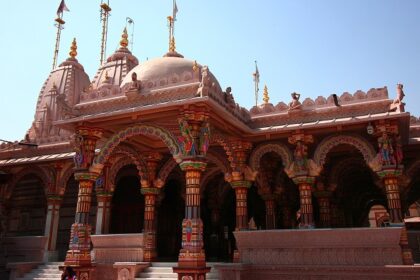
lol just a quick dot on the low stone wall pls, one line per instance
(111, 248)
(362, 253)
(24, 248)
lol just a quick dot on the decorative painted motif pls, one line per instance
(386, 151)
(78, 149)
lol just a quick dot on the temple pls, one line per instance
(152, 162)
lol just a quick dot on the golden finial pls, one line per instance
(195, 66)
(172, 45)
(73, 49)
(124, 40)
(266, 98)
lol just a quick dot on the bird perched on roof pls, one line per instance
(336, 100)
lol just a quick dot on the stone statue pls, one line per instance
(229, 98)
(135, 84)
(295, 104)
(205, 84)
(400, 94)
(397, 105)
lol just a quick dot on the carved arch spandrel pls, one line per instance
(360, 143)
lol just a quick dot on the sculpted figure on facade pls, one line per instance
(386, 151)
(205, 84)
(186, 140)
(78, 149)
(295, 103)
(135, 84)
(397, 104)
(204, 138)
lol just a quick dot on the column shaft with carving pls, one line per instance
(78, 254)
(150, 189)
(303, 172)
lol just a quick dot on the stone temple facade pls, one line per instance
(154, 161)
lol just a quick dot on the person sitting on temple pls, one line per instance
(295, 104)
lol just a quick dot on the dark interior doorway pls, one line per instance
(127, 213)
(170, 216)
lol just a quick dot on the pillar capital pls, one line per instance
(390, 172)
(150, 191)
(241, 184)
(303, 179)
(193, 164)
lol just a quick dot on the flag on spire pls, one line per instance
(62, 8)
(174, 12)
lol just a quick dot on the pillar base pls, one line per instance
(191, 259)
(191, 273)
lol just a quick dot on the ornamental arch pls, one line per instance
(361, 144)
(140, 129)
(260, 151)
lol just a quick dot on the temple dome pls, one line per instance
(167, 71)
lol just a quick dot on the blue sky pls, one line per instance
(312, 47)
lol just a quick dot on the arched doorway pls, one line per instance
(354, 187)
(67, 214)
(127, 208)
(170, 213)
(27, 207)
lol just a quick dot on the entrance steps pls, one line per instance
(163, 271)
(47, 271)
(156, 271)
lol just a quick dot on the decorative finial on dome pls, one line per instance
(172, 45)
(73, 49)
(195, 66)
(124, 38)
(266, 98)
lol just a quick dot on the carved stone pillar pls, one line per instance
(387, 165)
(194, 143)
(270, 211)
(305, 184)
(303, 172)
(192, 258)
(78, 254)
(103, 212)
(51, 226)
(390, 178)
(324, 199)
(150, 188)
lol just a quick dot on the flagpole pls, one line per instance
(105, 9)
(256, 75)
(59, 24)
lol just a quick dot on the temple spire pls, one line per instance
(60, 26)
(73, 49)
(256, 75)
(105, 9)
(266, 98)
